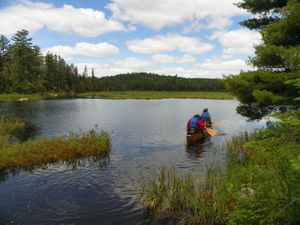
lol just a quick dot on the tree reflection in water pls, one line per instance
(254, 111)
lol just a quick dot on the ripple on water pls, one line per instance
(145, 136)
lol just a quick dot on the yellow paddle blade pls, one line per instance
(211, 132)
(217, 123)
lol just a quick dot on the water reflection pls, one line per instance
(256, 111)
(146, 134)
(70, 164)
(197, 149)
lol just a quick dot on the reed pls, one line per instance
(259, 183)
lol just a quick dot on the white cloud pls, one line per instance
(220, 66)
(83, 49)
(67, 19)
(132, 62)
(168, 43)
(185, 59)
(239, 42)
(157, 14)
(167, 59)
(163, 58)
(115, 67)
(214, 67)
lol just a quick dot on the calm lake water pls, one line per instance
(146, 134)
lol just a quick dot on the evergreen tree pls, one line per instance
(24, 64)
(94, 81)
(4, 48)
(277, 58)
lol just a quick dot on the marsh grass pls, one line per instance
(46, 150)
(119, 95)
(182, 197)
(34, 97)
(259, 183)
(157, 95)
(11, 126)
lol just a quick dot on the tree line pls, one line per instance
(23, 69)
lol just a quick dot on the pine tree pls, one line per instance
(277, 58)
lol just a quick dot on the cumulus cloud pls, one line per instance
(214, 67)
(83, 49)
(239, 42)
(167, 59)
(157, 14)
(34, 16)
(168, 43)
(133, 62)
(113, 67)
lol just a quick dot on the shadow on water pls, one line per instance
(197, 149)
(96, 161)
(31, 131)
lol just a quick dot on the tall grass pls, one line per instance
(258, 185)
(46, 150)
(11, 126)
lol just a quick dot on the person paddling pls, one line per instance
(195, 124)
(205, 116)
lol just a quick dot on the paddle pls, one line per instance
(211, 132)
(217, 123)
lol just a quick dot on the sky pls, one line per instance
(188, 38)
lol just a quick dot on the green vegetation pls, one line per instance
(258, 185)
(119, 95)
(30, 97)
(277, 80)
(154, 82)
(44, 150)
(9, 127)
(156, 95)
(24, 70)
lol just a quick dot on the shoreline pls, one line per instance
(118, 95)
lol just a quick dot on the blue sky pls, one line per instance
(194, 38)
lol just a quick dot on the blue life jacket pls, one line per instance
(204, 116)
(194, 122)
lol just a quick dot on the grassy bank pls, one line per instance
(157, 95)
(44, 150)
(259, 184)
(117, 95)
(33, 97)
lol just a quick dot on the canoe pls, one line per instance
(192, 138)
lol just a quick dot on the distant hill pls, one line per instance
(155, 82)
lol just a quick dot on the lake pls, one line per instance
(146, 134)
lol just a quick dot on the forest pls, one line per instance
(23, 69)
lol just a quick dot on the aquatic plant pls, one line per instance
(44, 150)
(258, 185)
(11, 126)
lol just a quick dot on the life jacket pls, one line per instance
(204, 116)
(194, 122)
